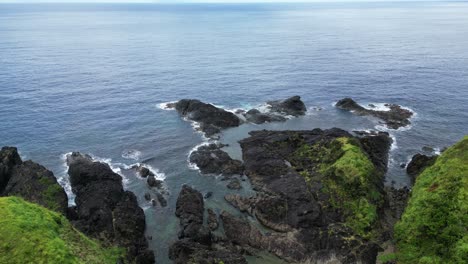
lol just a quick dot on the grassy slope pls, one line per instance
(434, 226)
(30, 233)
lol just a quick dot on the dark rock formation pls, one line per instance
(144, 171)
(395, 118)
(153, 182)
(234, 184)
(395, 204)
(306, 194)
(211, 159)
(196, 242)
(257, 117)
(212, 220)
(417, 164)
(291, 106)
(162, 201)
(105, 211)
(147, 196)
(211, 118)
(30, 181)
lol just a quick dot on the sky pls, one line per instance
(178, 1)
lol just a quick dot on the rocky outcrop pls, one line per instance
(104, 210)
(417, 164)
(210, 159)
(211, 118)
(212, 221)
(257, 117)
(196, 243)
(394, 118)
(319, 191)
(30, 181)
(291, 106)
(234, 184)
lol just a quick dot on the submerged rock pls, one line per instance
(257, 117)
(210, 159)
(394, 118)
(211, 118)
(30, 181)
(291, 106)
(153, 182)
(104, 210)
(234, 184)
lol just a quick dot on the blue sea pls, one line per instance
(91, 78)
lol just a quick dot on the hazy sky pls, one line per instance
(180, 1)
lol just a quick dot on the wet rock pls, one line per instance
(395, 118)
(196, 243)
(147, 196)
(208, 195)
(154, 203)
(234, 184)
(417, 164)
(210, 159)
(162, 201)
(291, 106)
(144, 172)
(105, 211)
(212, 220)
(153, 182)
(211, 118)
(395, 204)
(257, 117)
(428, 149)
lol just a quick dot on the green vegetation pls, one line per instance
(349, 179)
(386, 258)
(51, 193)
(434, 226)
(30, 233)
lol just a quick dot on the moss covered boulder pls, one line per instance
(319, 191)
(30, 233)
(434, 226)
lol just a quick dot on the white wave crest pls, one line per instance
(194, 166)
(131, 154)
(64, 180)
(165, 106)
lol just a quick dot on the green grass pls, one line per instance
(51, 193)
(349, 179)
(434, 226)
(30, 233)
(386, 257)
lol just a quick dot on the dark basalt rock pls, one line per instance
(147, 196)
(395, 118)
(291, 201)
(211, 118)
(210, 159)
(30, 181)
(144, 171)
(9, 158)
(417, 164)
(212, 220)
(291, 106)
(153, 182)
(196, 242)
(257, 117)
(234, 184)
(104, 210)
(162, 201)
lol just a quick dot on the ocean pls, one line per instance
(92, 77)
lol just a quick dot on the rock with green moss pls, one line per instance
(319, 190)
(31, 181)
(30, 233)
(434, 226)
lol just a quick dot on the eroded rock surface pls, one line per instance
(30, 181)
(210, 159)
(394, 118)
(104, 210)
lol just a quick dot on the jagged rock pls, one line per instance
(291, 106)
(395, 204)
(257, 117)
(234, 184)
(144, 171)
(162, 201)
(9, 158)
(417, 164)
(208, 195)
(211, 118)
(290, 171)
(105, 211)
(212, 220)
(196, 243)
(395, 118)
(30, 181)
(211, 159)
(147, 196)
(153, 182)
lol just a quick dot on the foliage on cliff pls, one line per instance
(30, 233)
(434, 226)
